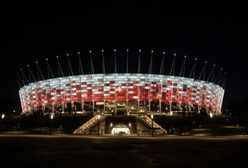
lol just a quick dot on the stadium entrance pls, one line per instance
(120, 129)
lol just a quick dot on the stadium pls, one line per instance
(123, 102)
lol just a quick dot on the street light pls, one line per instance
(212, 122)
(2, 118)
(51, 117)
(152, 124)
(51, 123)
(98, 124)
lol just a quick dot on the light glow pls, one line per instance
(120, 130)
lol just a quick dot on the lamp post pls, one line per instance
(98, 124)
(51, 123)
(212, 122)
(2, 118)
(152, 125)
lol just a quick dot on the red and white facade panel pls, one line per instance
(121, 88)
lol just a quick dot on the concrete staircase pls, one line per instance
(148, 121)
(89, 124)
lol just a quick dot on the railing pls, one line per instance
(90, 123)
(155, 125)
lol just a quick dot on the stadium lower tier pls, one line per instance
(107, 92)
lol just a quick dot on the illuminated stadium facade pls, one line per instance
(123, 93)
(100, 90)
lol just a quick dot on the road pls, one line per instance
(90, 151)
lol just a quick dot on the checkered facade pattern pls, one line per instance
(121, 88)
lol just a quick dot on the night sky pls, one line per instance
(35, 31)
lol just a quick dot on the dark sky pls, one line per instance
(34, 31)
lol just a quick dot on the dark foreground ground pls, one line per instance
(72, 151)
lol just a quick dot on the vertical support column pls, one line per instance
(127, 82)
(53, 109)
(207, 109)
(150, 72)
(104, 105)
(139, 94)
(82, 105)
(104, 100)
(55, 100)
(171, 112)
(152, 126)
(36, 94)
(82, 98)
(116, 95)
(72, 104)
(62, 98)
(70, 73)
(92, 95)
(92, 71)
(81, 71)
(93, 105)
(98, 124)
(103, 71)
(189, 107)
(161, 93)
(73, 107)
(63, 108)
(139, 66)
(115, 83)
(180, 103)
(51, 92)
(170, 102)
(160, 106)
(149, 101)
(43, 109)
(104, 108)
(127, 94)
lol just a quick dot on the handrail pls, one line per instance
(155, 125)
(87, 125)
